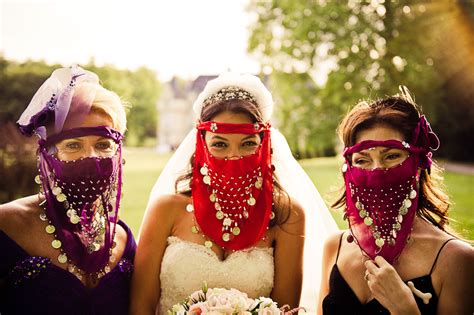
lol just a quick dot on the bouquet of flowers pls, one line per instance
(225, 301)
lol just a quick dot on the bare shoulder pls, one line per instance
(292, 210)
(18, 213)
(331, 244)
(457, 253)
(163, 213)
(170, 205)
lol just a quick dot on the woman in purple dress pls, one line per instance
(64, 251)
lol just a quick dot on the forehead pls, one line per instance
(95, 119)
(380, 133)
(232, 118)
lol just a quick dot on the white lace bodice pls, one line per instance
(186, 265)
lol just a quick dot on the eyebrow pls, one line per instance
(222, 138)
(219, 138)
(80, 139)
(364, 153)
(75, 139)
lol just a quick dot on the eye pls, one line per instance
(219, 144)
(360, 161)
(393, 156)
(250, 143)
(73, 145)
(106, 145)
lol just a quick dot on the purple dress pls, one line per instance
(33, 285)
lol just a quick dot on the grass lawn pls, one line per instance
(144, 165)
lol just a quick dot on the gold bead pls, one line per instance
(61, 197)
(56, 190)
(379, 242)
(368, 221)
(236, 230)
(207, 180)
(226, 237)
(190, 208)
(219, 215)
(208, 244)
(38, 179)
(75, 219)
(62, 258)
(56, 244)
(43, 217)
(407, 203)
(50, 229)
(251, 201)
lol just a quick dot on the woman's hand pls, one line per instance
(388, 288)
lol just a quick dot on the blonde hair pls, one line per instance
(110, 104)
(104, 102)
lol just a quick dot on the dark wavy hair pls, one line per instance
(281, 199)
(400, 113)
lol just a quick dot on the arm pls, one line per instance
(329, 258)
(289, 244)
(154, 231)
(456, 269)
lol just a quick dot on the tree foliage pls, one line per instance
(366, 49)
(138, 89)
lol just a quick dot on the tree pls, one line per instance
(140, 90)
(367, 49)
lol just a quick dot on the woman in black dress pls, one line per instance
(397, 257)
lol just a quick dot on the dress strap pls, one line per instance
(439, 252)
(339, 248)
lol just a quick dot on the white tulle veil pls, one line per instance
(294, 180)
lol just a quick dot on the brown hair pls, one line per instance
(281, 198)
(401, 113)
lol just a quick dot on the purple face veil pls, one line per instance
(82, 200)
(82, 197)
(381, 204)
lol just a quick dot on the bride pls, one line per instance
(230, 208)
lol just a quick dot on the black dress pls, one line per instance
(341, 300)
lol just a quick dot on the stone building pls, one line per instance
(176, 116)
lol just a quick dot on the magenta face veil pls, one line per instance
(381, 204)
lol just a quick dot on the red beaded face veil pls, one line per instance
(232, 199)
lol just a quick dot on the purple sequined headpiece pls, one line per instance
(51, 104)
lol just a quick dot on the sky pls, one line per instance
(186, 38)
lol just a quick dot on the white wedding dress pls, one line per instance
(186, 265)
